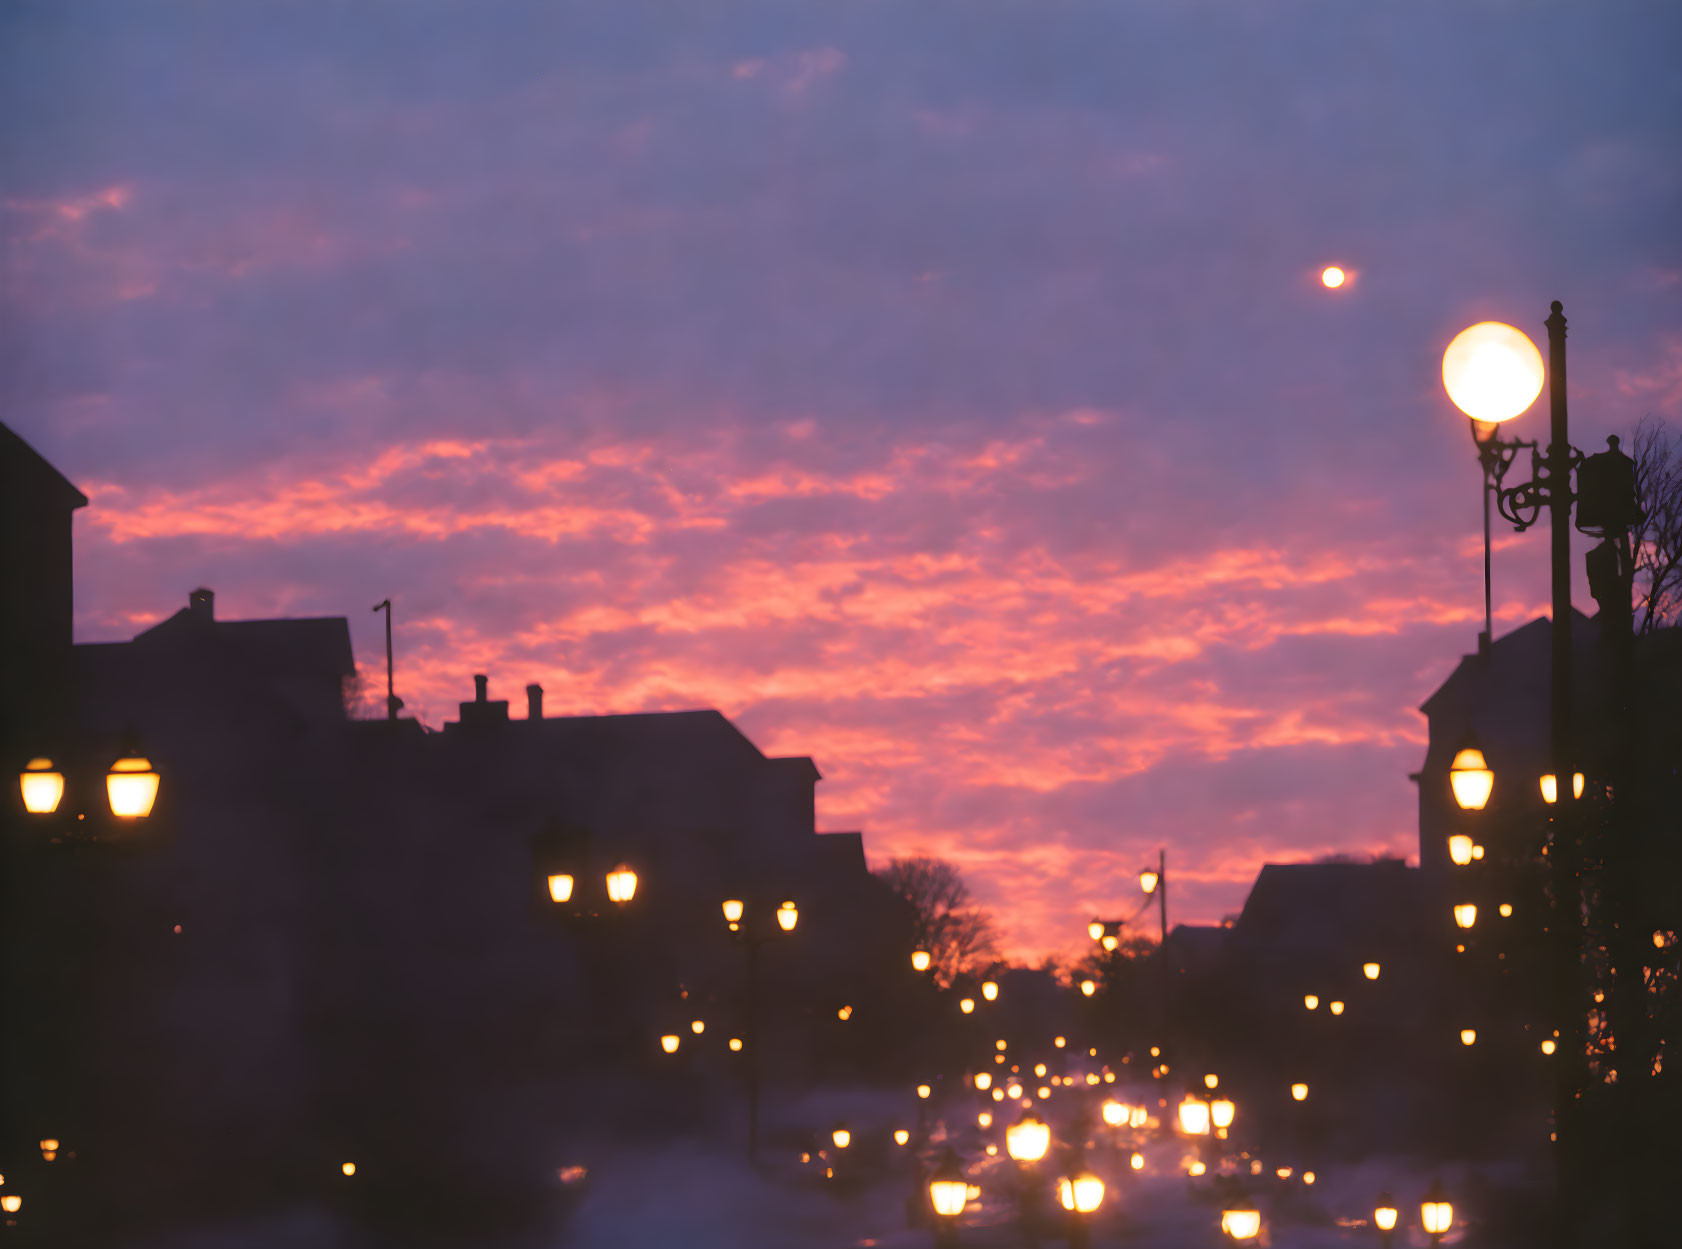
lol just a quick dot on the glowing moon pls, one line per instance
(1492, 371)
(1332, 277)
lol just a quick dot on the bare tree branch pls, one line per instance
(1658, 553)
(956, 934)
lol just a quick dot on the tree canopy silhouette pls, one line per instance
(1658, 552)
(956, 933)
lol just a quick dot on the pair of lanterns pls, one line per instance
(788, 915)
(131, 787)
(621, 885)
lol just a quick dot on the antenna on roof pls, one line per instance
(392, 703)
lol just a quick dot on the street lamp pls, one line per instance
(948, 1193)
(841, 1136)
(1194, 1117)
(1221, 1111)
(1460, 849)
(560, 887)
(967, 1005)
(1241, 1223)
(1311, 1001)
(1471, 779)
(1436, 1213)
(1550, 787)
(621, 884)
(1081, 1194)
(1115, 1113)
(788, 915)
(1027, 1139)
(42, 785)
(1466, 914)
(732, 912)
(989, 990)
(735, 915)
(1384, 1217)
(1299, 1092)
(669, 1042)
(1370, 970)
(1088, 988)
(920, 960)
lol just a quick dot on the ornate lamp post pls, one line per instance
(736, 917)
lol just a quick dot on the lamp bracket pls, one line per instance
(1522, 503)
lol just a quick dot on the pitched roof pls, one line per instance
(315, 644)
(1319, 906)
(22, 466)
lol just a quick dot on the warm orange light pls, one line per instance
(1241, 1224)
(923, 1091)
(1147, 880)
(560, 887)
(49, 1145)
(901, 1136)
(1211, 1081)
(1283, 1173)
(11, 1203)
(1137, 1162)
(1027, 1139)
(1550, 787)
(1092, 1077)
(1370, 970)
(1088, 988)
(948, 1193)
(967, 1005)
(920, 960)
(1548, 1046)
(1492, 371)
(1083, 1194)
(984, 1119)
(1194, 1117)
(131, 787)
(989, 990)
(788, 915)
(669, 1042)
(1156, 1051)
(1299, 1092)
(983, 1080)
(1468, 1036)
(1095, 930)
(1336, 1008)
(1039, 1069)
(1466, 914)
(42, 787)
(998, 1095)
(841, 1136)
(621, 884)
(735, 1044)
(999, 1044)
(1221, 1111)
(1436, 1217)
(1043, 1093)
(348, 1168)
(1196, 1168)
(733, 910)
(846, 1012)
(1384, 1214)
(697, 1026)
(1115, 1114)
(1506, 909)
(1013, 1090)
(1331, 277)
(1470, 779)
(1310, 1000)
(1110, 942)
(1059, 1042)
(1137, 1117)
(1460, 849)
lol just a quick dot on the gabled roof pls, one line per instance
(23, 470)
(1329, 906)
(316, 644)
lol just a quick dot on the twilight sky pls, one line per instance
(941, 390)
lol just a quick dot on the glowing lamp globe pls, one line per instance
(1471, 779)
(1436, 1214)
(669, 1042)
(1196, 1168)
(923, 1091)
(948, 1189)
(621, 884)
(901, 1136)
(984, 1119)
(1147, 880)
(1027, 1139)
(989, 990)
(1137, 1162)
(1115, 1114)
(1211, 1081)
(1336, 1008)
(1110, 941)
(1088, 988)
(1059, 1042)
(967, 1005)
(131, 787)
(844, 1013)
(841, 1136)
(1492, 371)
(1039, 1069)
(1241, 1224)
(1506, 909)
(735, 1044)
(1013, 1091)
(347, 1168)
(1468, 1036)
(560, 887)
(733, 911)
(1384, 1214)
(1466, 914)
(983, 1080)
(1299, 1092)
(1332, 277)
(1221, 1111)
(920, 960)
(1548, 1046)
(697, 1026)
(1550, 787)
(11, 1203)
(42, 786)
(1194, 1117)
(1311, 1001)
(1095, 929)
(788, 915)
(1460, 849)
(1083, 1194)
(1370, 970)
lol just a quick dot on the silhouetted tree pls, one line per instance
(1658, 554)
(956, 934)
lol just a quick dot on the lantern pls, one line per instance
(1299, 1092)
(1241, 1224)
(1095, 930)
(1470, 778)
(1550, 787)
(920, 960)
(735, 1044)
(989, 990)
(923, 1091)
(1466, 914)
(1110, 941)
(1027, 1139)
(901, 1136)
(621, 884)
(1147, 880)
(1194, 1117)
(948, 1190)
(1370, 970)
(669, 1042)
(1310, 1000)
(967, 1005)
(841, 1136)
(131, 787)
(788, 915)
(347, 1168)
(697, 1026)
(1384, 1214)
(560, 887)
(1436, 1213)
(1088, 988)
(1468, 1036)
(1336, 1008)
(1211, 1081)
(733, 911)
(1221, 1111)
(1460, 849)
(1083, 1194)
(1115, 1114)
(42, 787)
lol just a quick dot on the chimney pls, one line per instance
(534, 701)
(481, 683)
(202, 604)
(482, 710)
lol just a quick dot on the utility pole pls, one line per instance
(392, 703)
